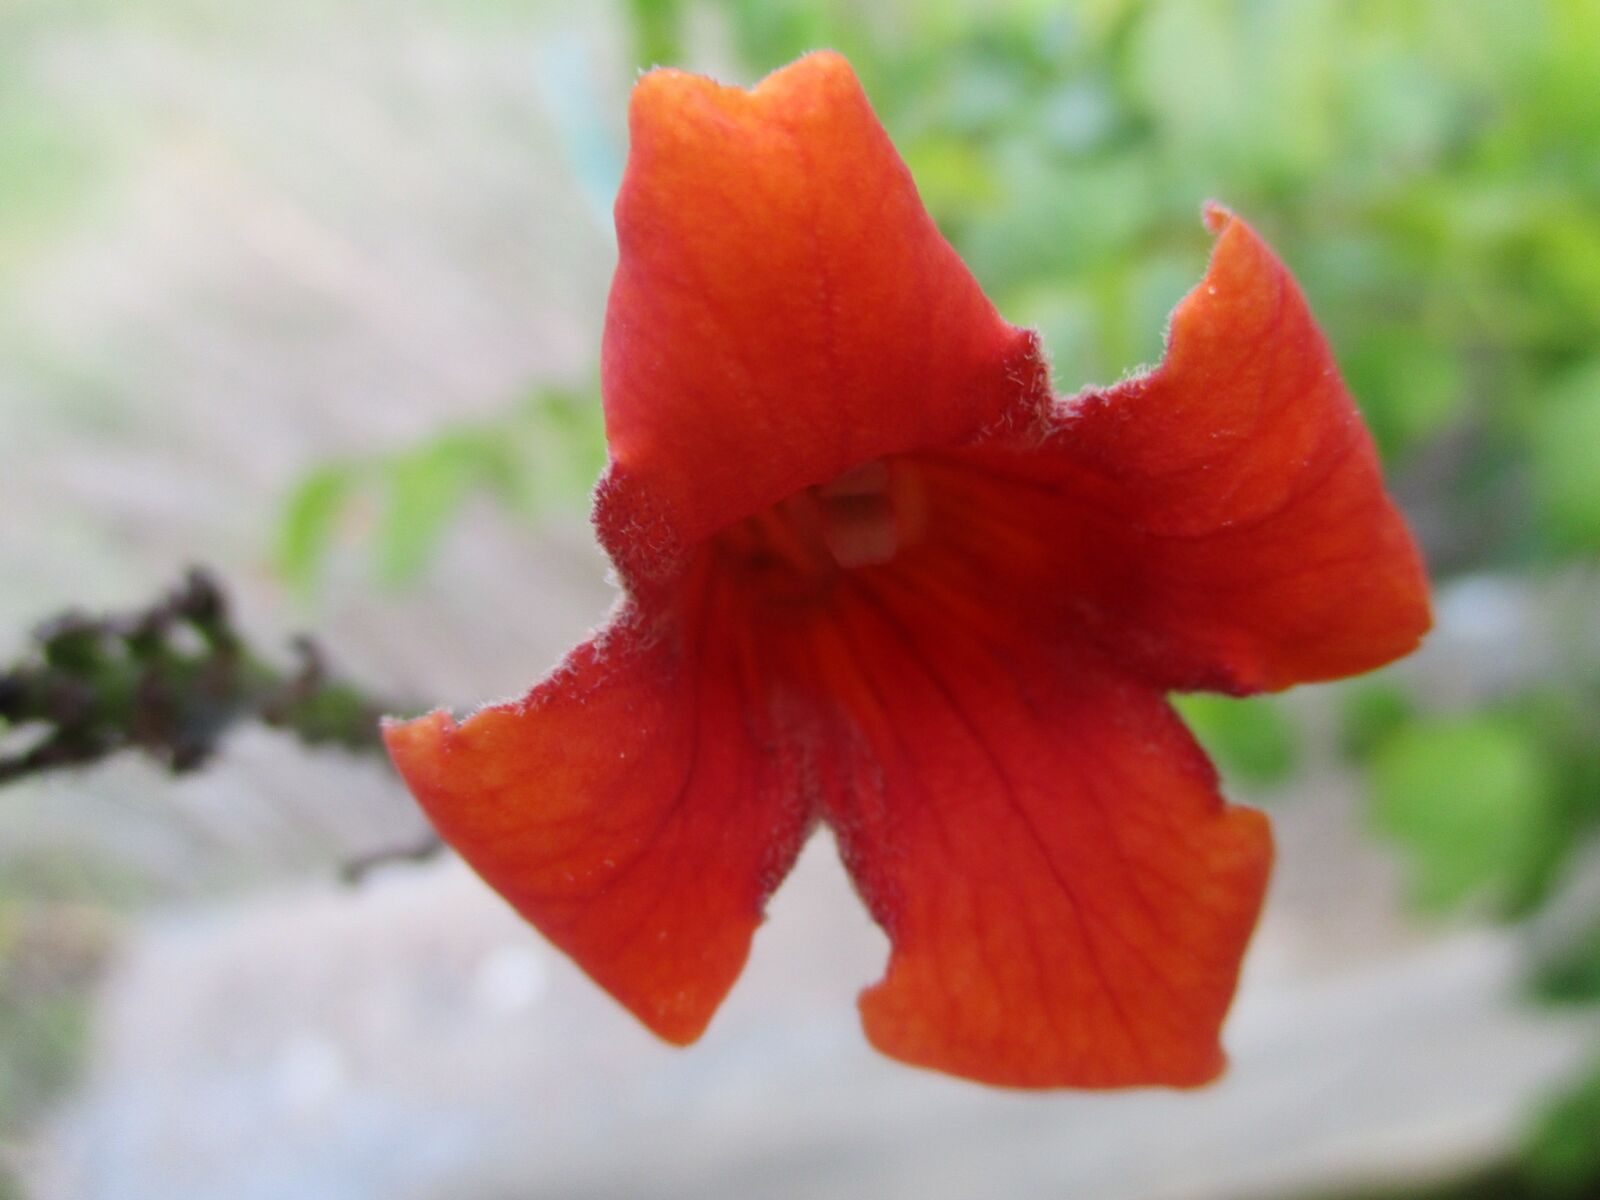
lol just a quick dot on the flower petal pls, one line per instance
(1270, 553)
(628, 808)
(1221, 521)
(1067, 896)
(783, 309)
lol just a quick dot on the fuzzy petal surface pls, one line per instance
(634, 807)
(1220, 522)
(1067, 897)
(783, 310)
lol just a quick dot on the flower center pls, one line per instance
(795, 549)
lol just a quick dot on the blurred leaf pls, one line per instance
(540, 457)
(1369, 715)
(1468, 800)
(954, 178)
(772, 32)
(1409, 387)
(1563, 1156)
(1573, 975)
(1567, 716)
(1060, 225)
(565, 439)
(1566, 460)
(1188, 71)
(423, 490)
(1079, 117)
(45, 170)
(1251, 740)
(306, 529)
(656, 27)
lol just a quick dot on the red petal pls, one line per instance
(1220, 522)
(1067, 896)
(627, 809)
(783, 309)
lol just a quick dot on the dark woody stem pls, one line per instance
(169, 681)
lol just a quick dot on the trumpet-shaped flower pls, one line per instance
(876, 575)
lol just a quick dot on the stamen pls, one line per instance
(858, 517)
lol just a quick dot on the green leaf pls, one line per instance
(1409, 387)
(423, 491)
(1572, 976)
(1565, 451)
(1369, 715)
(954, 176)
(566, 446)
(1251, 740)
(1469, 802)
(543, 455)
(46, 169)
(1563, 1155)
(305, 531)
(656, 26)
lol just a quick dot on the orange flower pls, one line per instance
(876, 575)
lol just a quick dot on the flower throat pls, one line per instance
(863, 518)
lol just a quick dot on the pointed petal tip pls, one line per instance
(438, 718)
(1217, 216)
(661, 87)
(822, 63)
(678, 1030)
(406, 736)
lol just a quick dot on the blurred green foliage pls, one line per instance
(1490, 806)
(543, 455)
(1253, 741)
(1572, 975)
(1471, 799)
(1372, 710)
(1564, 1150)
(1565, 453)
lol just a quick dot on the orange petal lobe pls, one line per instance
(1067, 897)
(624, 808)
(783, 310)
(1247, 540)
